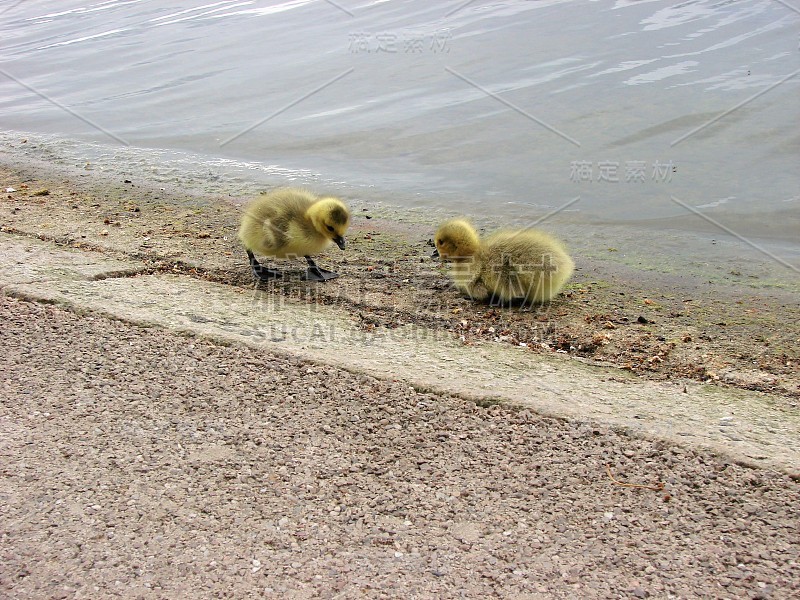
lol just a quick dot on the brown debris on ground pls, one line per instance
(654, 325)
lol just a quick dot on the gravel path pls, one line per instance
(141, 464)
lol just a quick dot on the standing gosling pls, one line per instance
(287, 223)
(507, 266)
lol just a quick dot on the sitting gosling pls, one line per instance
(287, 223)
(507, 266)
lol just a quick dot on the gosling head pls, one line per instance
(456, 240)
(330, 217)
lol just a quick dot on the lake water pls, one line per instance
(645, 115)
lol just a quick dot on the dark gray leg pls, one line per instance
(314, 273)
(260, 271)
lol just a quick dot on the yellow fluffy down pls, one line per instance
(289, 222)
(507, 266)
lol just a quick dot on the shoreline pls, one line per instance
(685, 243)
(660, 325)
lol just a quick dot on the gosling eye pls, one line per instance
(330, 228)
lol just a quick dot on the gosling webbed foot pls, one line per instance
(314, 273)
(261, 272)
(317, 274)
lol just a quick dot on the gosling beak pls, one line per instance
(339, 241)
(435, 254)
